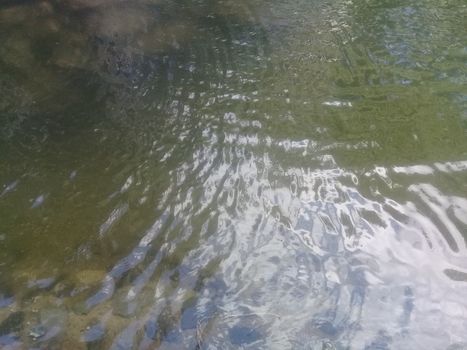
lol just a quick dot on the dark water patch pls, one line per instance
(12, 325)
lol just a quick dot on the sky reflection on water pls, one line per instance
(206, 175)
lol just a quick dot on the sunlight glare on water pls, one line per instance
(233, 174)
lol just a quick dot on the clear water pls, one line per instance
(207, 174)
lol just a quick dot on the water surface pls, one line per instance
(233, 174)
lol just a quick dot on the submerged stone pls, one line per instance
(37, 331)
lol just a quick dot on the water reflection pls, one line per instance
(222, 175)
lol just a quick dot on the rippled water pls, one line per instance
(210, 174)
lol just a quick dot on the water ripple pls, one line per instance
(231, 174)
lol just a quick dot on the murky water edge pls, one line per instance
(209, 175)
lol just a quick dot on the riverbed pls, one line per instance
(179, 174)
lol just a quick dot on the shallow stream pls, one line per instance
(206, 174)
